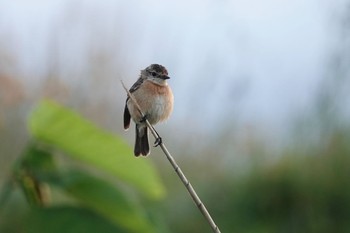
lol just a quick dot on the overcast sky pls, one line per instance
(259, 62)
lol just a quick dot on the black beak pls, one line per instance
(165, 77)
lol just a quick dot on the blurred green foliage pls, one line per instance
(94, 204)
(81, 140)
(103, 188)
(305, 191)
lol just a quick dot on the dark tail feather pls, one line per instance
(141, 141)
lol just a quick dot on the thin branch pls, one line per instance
(177, 169)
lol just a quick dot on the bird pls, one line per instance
(156, 100)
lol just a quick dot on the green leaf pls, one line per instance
(37, 168)
(80, 139)
(106, 200)
(35, 165)
(37, 160)
(67, 220)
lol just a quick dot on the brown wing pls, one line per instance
(136, 85)
(127, 115)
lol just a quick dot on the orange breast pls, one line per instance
(156, 102)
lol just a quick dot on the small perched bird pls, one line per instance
(155, 98)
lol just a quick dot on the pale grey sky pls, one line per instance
(259, 62)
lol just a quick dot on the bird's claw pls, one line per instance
(158, 141)
(143, 119)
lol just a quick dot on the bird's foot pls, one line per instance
(158, 141)
(143, 119)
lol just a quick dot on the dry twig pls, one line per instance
(177, 169)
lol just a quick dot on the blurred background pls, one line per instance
(261, 118)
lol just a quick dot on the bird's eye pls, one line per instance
(153, 74)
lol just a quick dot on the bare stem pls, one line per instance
(177, 169)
